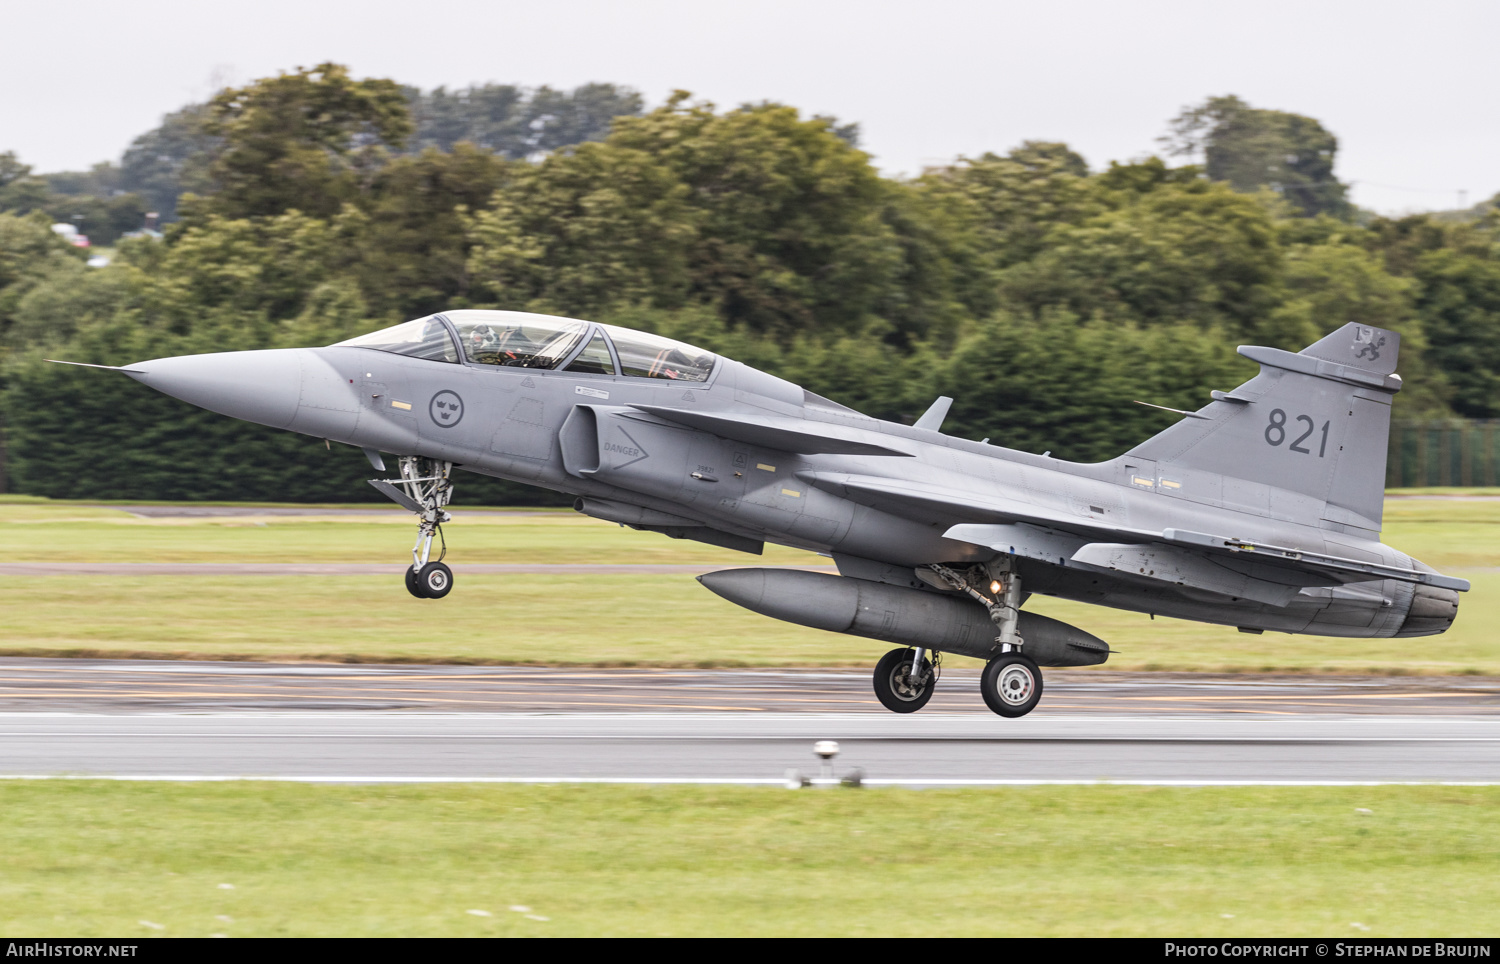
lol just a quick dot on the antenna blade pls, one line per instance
(1177, 411)
(933, 418)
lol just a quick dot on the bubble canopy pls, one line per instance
(517, 339)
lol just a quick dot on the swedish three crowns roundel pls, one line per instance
(446, 409)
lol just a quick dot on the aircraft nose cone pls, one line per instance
(257, 386)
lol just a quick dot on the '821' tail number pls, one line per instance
(1276, 433)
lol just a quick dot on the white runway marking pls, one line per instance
(738, 748)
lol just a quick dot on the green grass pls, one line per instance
(94, 858)
(1446, 534)
(599, 619)
(609, 620)
(1443, 533)
(53, 533)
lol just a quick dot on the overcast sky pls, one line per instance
(1410, 89)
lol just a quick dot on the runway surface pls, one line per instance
(395, 723)
(155, 686)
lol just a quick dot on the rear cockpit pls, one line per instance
(517, 339)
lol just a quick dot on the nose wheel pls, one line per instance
(424, 488)
(1011, 685)
(432, 581)
(904, 680)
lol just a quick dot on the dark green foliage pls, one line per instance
(102, 219)
(95, 435)
(1046, 299)
(84, 436)
(1250, 149)
(1168, 248)
(995, 212)
(516, 123)
(175, 158)
(64, 299)
(407, 234)
(305, 141)
(101, 180)
(20, 191)
(773, 220)
(172, 160)
(1460, 306)
(1055, 385)
(30, 255)
(864, 370)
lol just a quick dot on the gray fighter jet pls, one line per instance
(1261, 510)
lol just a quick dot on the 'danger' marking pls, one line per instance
(630, 451)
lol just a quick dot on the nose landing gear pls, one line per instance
(432, 581)
(425, 488)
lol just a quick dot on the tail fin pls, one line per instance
(1307, 435)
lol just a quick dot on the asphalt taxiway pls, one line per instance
(182, 720)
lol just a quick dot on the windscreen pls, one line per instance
(423, 338)
(652, 356)
(516, 339)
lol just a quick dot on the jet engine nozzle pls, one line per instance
(1432, 611)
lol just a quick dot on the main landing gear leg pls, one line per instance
(1011, 683)
(425, 488)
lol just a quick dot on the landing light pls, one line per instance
(994, 586)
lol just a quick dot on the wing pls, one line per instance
(1217, 564)
(1283, 557)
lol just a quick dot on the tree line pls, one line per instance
(1043, 295)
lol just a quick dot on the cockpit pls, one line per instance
(517, 339)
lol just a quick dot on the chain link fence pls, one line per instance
(1448, 453)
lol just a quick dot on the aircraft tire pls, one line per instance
(892, 682)
(434, 580)
(411, 582)
(1011, 685)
